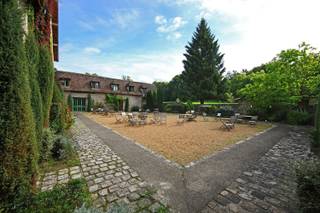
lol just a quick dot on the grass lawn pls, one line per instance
(182, 143)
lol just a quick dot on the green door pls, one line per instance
(79, 104)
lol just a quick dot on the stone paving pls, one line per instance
(269, 185)
(62, 176)
(109, 178)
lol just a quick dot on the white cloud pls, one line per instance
(91, 50)
(141, 67)
(125, 18)
(262, 27)
(170, 27)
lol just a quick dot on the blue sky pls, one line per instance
(146, 39)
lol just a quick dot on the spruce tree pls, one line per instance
(18, 148)
(203, 66)
(90, 103)
(126, 106)
(46, 82)
(32, 53)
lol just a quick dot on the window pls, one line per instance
(64, 82)
(115, 87)
(130, 88)
(95, 84)
(143, 90)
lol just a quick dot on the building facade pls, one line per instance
(79, 86)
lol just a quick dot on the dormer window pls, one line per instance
(64, 82)
(95, 84)
(130, 88)
(115, 87)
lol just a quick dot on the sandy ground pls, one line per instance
(181, 143)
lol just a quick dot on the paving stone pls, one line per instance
(93, 188)
(103, 192)
(133, 196)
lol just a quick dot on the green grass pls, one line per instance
(62, 198)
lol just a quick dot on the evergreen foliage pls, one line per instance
(46, 81)
(126, 107)
(70, 103)
(18, 148)
(203, 66)
(316, 142)
(149, 101)
(32, 54)
(58, 111)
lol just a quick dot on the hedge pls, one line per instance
(18, 148)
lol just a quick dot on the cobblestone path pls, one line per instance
(269, 185)
(109, 178)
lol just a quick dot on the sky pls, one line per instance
(146, 39)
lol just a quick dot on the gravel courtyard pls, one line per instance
(184, 143)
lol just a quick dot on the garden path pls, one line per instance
(190, 189)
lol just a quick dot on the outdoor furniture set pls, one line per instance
(141, 118)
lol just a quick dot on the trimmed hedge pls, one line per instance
(32, 53)
(175, 108)
(18, 146)
(58, 111)
(46, 82)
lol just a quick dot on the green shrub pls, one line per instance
(126, 107)
(62, 198)
(135, 109)
(32, 54)
(46, 144)
(114, 101)
(175, 108)
(62, 148)
(18, 145)
(58, 111)
(298, 118)
(46, 81)
(316, 132)
(189, 106)
(70, 102)
(308, 180)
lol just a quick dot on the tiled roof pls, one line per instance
(82, 83)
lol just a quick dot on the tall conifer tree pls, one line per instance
(18, 150)
(203, 66)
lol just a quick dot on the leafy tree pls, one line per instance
(203, 66)
(287, 82)
(176, 89)
(32, 54)
(114, 100)
(46, 82)
(18, 148)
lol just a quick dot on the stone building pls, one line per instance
(79, 86)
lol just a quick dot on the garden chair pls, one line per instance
(181, 119)
(226, 125)
(205, 116)
(163, 118)
(119, 118)
(132, 120)
(253, 120)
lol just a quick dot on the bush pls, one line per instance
(298, 118)
(58, 111)
(316, 132)
(18, 145)
(98, 105)
(189, 106)
(308, 180)
(62, 148)
(46, 81)
(126, 107)
(135, 109)
(46, 144)
(90, 103)
(61, 198)
(70, 102)
(175, 108)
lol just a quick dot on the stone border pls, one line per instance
(192, 163)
